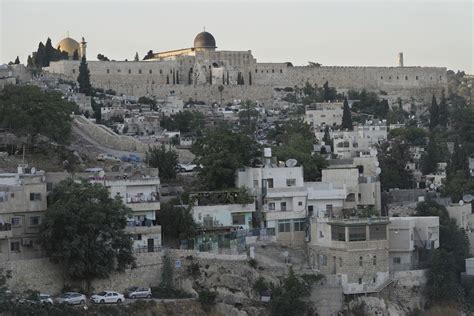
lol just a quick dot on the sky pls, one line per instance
(341, 33)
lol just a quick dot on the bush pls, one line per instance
(260, 285)
(164, 292)
(194, 270)
(207, 298)
(253, 263)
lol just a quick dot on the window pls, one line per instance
(161, 71)
(74, 71)
(397, 260)
(416, 77)
(357, 233)
(375, 261)
(398, 78)
(139, 71)
(16, 221)
(35, 196)
(310, 210)
(324, 260)
(281, 71)
(256, 70)
(283, 206)
(270, 183)
(381, 78)
(361, 261)
(150, 72)
(238, 219)
(118, 70)
(321, 235)
(108, 71)
(271, 206)
(273, 70)
(329, 209)
(284, 226)
(299, 225)
(300, 203)
(3, 196)
(338, 233)
(139, 237)
(15, 246)
(255, 183)
(34, 220)
(290, 182)
(360, 280)
(406, 77)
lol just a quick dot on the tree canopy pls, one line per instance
(393, 159)
(30, 111)
(347, 116)
(83, 231)
(187, 122)
(164, 160)
(84, 79)
(221, 152)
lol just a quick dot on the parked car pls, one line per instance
(138, 291)
(71, 298)
(107, 157)
(107, 297)
(186, 167)
(45, 299)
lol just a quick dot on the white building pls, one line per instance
(410, 241)
(462, 214)
(321, 114)
(141, 194)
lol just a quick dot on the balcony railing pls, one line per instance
(143, 198)
(5, 227)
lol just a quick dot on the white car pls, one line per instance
(107, 297)
(72, 298)
(45, 299)
(107, 157)
(186, 167)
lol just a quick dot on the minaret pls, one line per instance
(400, 59)
(83, 47)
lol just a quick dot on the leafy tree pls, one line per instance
(29, 111)
(83, 231)
(443, 285)
(287, 299)
(393, 159)
(282, 132)
(176, 220)
(84, 78)
(149, 55)
(17, 60)
(431, 157)
(415, 136)
(145, 100)
(187, 122)
(329, 93)
(221, 152)
(347, 117)
(434, 113)
(164, 160)
(5, 297)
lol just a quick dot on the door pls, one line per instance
(151, 245)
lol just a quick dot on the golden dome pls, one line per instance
(69, 45)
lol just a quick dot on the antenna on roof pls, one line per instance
(204, 28)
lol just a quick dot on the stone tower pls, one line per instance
(83, 47)
(400, 59)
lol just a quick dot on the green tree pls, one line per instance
(393, 159)
(29, 62)
(97, 110)
(17, 60)
(176, 220)
(443, 111)
(30, 111)
(164, 160)
(347, 117)
(431, 157)
(84, 78)
(288, 299)
(40, 56)
(136, 58)
(443, 285)
(5, 296)
(221, 152)
(434, 113)
(327, 138)
(83, 231)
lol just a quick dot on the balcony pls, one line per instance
(5, 230)
(142, 202)
(358, 221)
(143, 228)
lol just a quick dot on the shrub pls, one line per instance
(164, 292)
(207, 298)
(253, 263)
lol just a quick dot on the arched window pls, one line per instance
(361, 261)
(375, 260)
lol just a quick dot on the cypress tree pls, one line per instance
(347, 116)
(17, 60)
(29, 62)
(429, 162)
(327, 137)
(40, 57)
(434, 113)
(136, 57)
(49, 52)
(75, 56)
(84, 78)
(443, 111)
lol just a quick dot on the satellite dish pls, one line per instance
(378, 170)
(33, 170)
(291, 162)
(431, 186)
(468, 198)
(461, 202)
(101, 173)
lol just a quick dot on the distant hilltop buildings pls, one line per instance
(204, 73)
